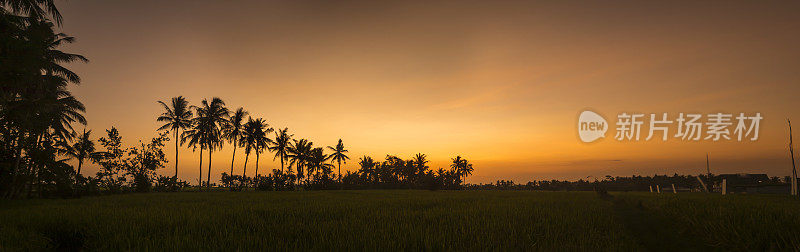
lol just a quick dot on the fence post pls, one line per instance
(724, 186)
(673, 189)
(651, 188)
(658, 188)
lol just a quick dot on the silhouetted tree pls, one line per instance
(281, 145)
(144, 160)
(461, 167)
(367, 169)
(111, 161)
(299, 153)
(339, 156)
(211, 115)
(249, 143)
(176, 118)
(233, 130)
(36, 9)
(420, 163)
(81, 150)
(260, 129)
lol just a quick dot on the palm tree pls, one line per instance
(82, 149)
(456, 163)
(339, 155)
(36, 108)
(211, 115)
(196, 137)
(176, 118)
(317, 162)
(467, 170)
(367, 167)
(256, 131)
(37, 9)
(248, 142)
(281, 145)
(461, 167)
(420, 162)
(234, 130)
(298, 154)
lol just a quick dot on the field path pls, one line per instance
(654, 233)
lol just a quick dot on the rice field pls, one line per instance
(401, 220)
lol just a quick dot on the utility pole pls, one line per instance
(791, 153)
(708, 170)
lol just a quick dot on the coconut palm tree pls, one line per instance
(256, 135)
(420, 162)
(467, 170)
(37, 9)
(36, 108)
(82, 149)
(234, 130)
(339, 156)
(461, 167)
(317, 162)
(196, 138)
(211, 115)
(299, 155)
(367, 167)
(176, 118)
(281, 145)
(248, 141)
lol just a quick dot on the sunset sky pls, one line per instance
(500, 83)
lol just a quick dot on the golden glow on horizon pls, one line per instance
(498, 83)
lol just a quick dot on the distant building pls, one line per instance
(752, 183)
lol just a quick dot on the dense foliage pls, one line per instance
(36, 108)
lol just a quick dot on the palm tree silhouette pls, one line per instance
(318, 162)
(36, 9)
(82, 149)
(339, 156)
(461, 167)
(234, 130)
(55, 109)
(298, 154)
(467, 170)
(367, 167)
(281, 145)
(420, 162)
(259, 130)
(248, 142)
(196, 138)
(176, 118)
(211, 115)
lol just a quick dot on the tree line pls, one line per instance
(38, 113)
(211, 125)
(622, 183)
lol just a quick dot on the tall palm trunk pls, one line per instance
(176, 155)
(200, 180)
(80, 163)
(340, 170)
(234, 155)
(244, 172)
(257, 163)
(281, 164)
(208, 175)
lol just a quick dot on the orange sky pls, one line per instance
(498, 82)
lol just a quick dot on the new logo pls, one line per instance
(591, 126)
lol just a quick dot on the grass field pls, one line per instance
(402, 220)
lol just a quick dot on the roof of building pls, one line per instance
(745, 178)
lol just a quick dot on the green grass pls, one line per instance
(394, 220)
(732, 222)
